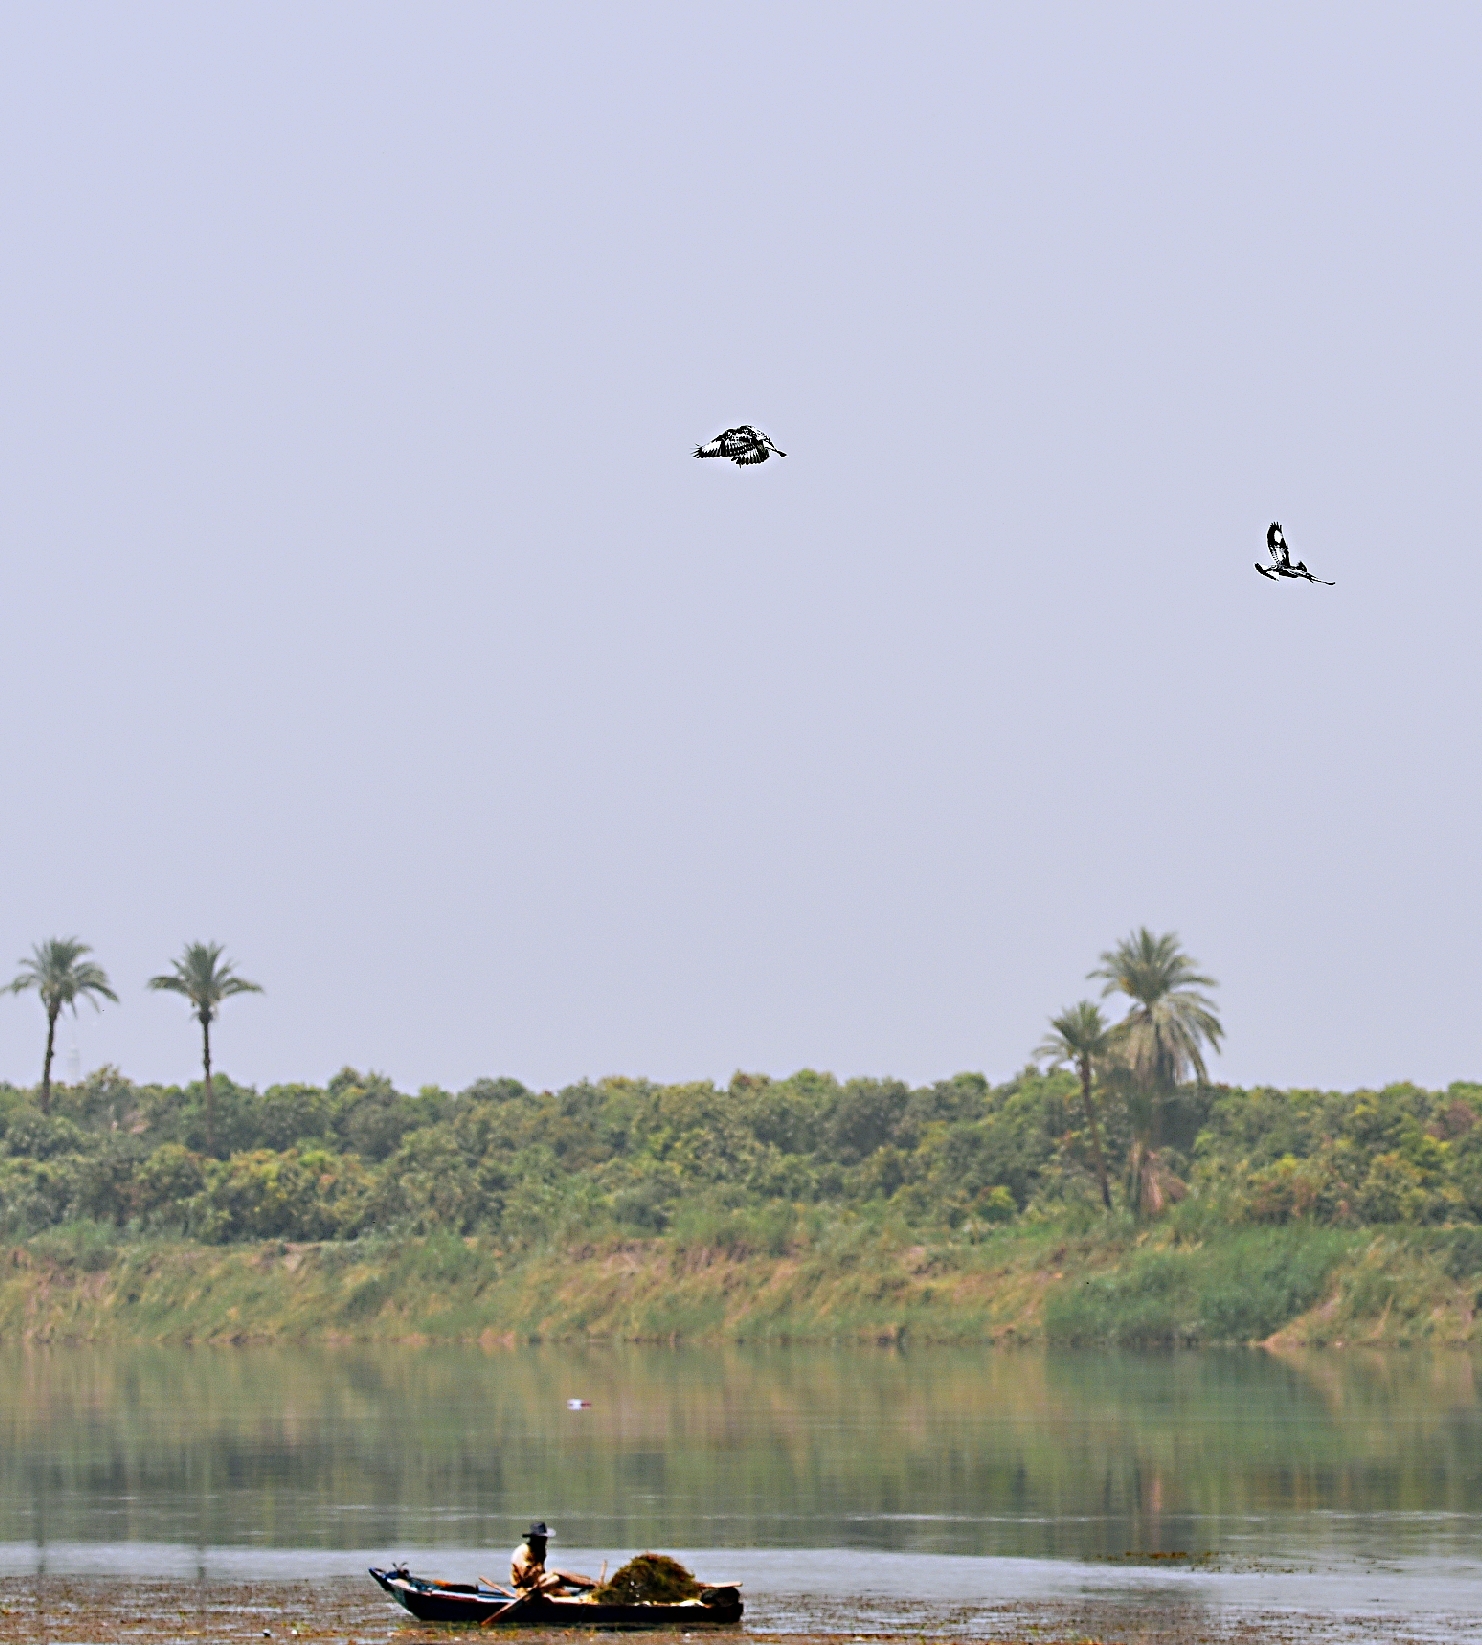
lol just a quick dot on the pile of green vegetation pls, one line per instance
(734, 1168)
(649, 1579)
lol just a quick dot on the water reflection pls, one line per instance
(1065, 1456)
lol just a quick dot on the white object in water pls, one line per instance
(578, 1405)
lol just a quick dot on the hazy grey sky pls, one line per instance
(365, 609)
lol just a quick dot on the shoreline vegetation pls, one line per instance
(1107, 1195)
(1281, 1288)
(802, 1209)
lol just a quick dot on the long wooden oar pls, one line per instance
(524, 1599)
(510, 1609)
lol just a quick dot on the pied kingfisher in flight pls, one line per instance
(742, 445)
(1281, 559)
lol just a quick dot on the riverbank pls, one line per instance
(1298, 1286)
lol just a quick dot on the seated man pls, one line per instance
(527, 1567)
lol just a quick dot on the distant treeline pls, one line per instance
(751, 1165)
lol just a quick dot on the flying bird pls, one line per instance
(742, 445)
(1281, 559)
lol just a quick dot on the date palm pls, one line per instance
(205, 979)
(1081, 1036)
(60, 975)
(1161, 1040)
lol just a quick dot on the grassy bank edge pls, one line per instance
(1293, 1286)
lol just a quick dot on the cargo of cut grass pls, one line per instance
(648, 1579)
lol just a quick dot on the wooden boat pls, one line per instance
(431, 1601)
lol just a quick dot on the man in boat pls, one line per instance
(527, 1570)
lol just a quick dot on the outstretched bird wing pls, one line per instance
(742, 445)
(1281, 559)
(732, 443)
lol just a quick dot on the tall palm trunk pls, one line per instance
(51, 1038)
(1142, 1154)
(1151, 1186)
(1095, 1130)
(210, 1095)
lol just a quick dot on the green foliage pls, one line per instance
(1461, 1252)
(746, 1168)
(1238, 1290)
(61, 977)
(1164, 1034)
(1158, 1044)
(203, 978)
(315, 1195)
(995, 1204)
(1396, 1156)
(1082, 1037)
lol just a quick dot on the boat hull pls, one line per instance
(461, 1602)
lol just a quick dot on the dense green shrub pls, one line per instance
(737, 1166)
(1240, 1290)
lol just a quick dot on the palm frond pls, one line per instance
(1079, 1031)
(1147, 967)
(204, 978)
(1164, 1033)
(59, 974)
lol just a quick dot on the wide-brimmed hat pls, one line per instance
(539, 1531)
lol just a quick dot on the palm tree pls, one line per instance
(1082, 1036)
(59, 974)
(1161, 1039)
(206, 980)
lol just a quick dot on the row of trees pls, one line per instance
(1144, 1057)
(60, 973)
(744, 1164)
(1124, 1118)
(1159, 1043)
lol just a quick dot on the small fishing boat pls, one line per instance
(431, 1601)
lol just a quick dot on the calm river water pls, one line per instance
(1338, 1482)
